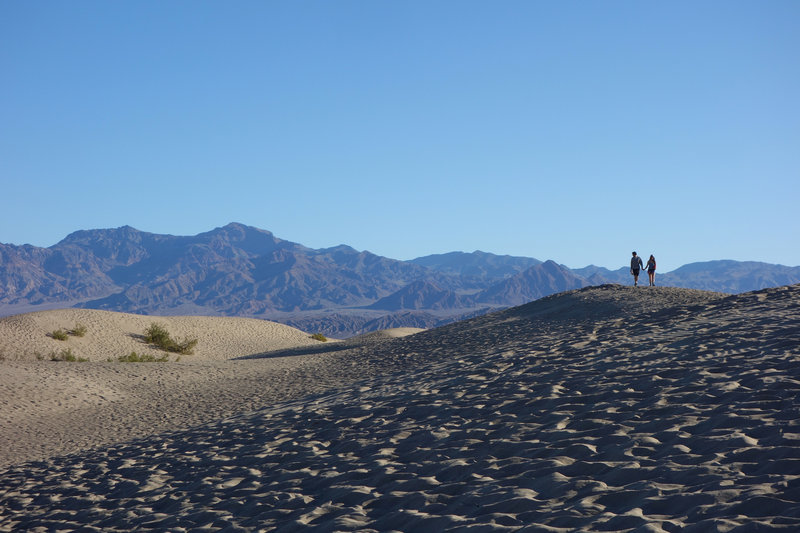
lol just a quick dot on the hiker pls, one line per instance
(636, 266)
(651, 270)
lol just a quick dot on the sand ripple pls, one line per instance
(671, 418)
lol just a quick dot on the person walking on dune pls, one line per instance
(636, 266)
(651, 270)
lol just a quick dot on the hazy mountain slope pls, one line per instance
(536, 282)
(721, 276)
(479, 265)
(731, 276)
(422, 295)
(598, 275)
(31, 275)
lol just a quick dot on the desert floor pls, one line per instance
(604, 409)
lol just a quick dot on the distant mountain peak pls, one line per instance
(87, 235)
(237, 229)
(341, 248)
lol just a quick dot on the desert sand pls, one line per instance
(27, 337)
(604, 409)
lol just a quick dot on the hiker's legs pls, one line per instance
(652, 278)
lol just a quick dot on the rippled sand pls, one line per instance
(605, 409)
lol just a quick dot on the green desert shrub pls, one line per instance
(186, 346)
(319, 337)
(78, 331)
(60, 335)
(157, 335)
(68, 356)
(133, 357)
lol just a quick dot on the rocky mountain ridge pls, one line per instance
(238, 270)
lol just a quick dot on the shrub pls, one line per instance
(319, 337)
(158, 335)
(67, 355)
(133, 357)
(186, 346)
(78, 331)
(59, 335)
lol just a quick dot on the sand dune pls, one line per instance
(109, 334)
(604, 409)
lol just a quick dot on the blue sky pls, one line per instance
(573, 131)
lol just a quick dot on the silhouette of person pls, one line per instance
(636, 266)
(651, 270)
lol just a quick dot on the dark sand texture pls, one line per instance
(605, 409)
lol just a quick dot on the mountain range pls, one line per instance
(238, 270)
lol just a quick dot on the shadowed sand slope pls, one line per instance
(604, 409)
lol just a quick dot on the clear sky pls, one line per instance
(572, 131)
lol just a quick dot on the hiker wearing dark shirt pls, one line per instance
(636, 266)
